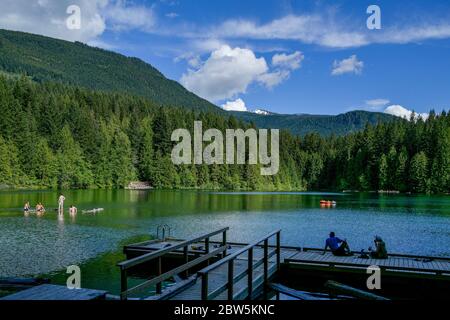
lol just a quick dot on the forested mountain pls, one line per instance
(84, 117)
(324, 124)
(47, 59)
(50, 60)
(54, 135)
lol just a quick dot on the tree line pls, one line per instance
(59, 136)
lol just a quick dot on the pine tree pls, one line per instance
(73, 170)
(121, 160)
(419, 174)
(383, 176)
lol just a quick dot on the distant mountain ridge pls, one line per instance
(47, 59)
(302, 124)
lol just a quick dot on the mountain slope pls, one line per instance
(48, 59)
(323, 124)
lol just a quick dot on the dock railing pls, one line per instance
(232, 279)
(125, 266)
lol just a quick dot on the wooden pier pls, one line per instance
(54, 292)
(209, 267)
(311, 258)
(225, 270)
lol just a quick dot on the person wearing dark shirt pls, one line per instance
(337, 246)
(380, 249)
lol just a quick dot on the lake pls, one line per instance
(45, 246)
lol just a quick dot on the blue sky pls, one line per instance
(284, 56)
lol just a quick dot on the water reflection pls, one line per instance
(32, 244)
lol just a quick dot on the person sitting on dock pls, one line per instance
(337, 246)
(380, 249)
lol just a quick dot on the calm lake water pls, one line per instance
(36, 246)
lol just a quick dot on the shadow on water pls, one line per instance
(101, 272)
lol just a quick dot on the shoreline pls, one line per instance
(343, 192)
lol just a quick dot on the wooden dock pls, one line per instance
(218, 278)
(310, 258)
(222, 270)
(55, 292)
(207, 268)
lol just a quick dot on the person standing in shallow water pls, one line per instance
(61, 204)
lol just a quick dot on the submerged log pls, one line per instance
(342, 288)
(294, 293)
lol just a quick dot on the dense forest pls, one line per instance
(60, 136)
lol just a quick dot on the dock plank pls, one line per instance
(395, 262)
(56, 292)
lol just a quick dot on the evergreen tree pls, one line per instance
(73, 170)
(418, 173)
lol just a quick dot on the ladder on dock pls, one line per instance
(183, 248)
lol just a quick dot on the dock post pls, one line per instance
(230, 279)
(207, 249)
(250, 273)
(205, 286)
(224, 242)
(186, 259)
(123, 284)
(207, 245)
(278, 250)
(159, 285)
(266, 266)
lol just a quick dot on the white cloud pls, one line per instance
(349, 65)
(307, 28)
(122, 16)
(376, 103)
(289, 61)
(236, 105)
(193, 60)
(261, 112)
(230, 71)
(284, 64)
(48, 17)
(328, 29)
(226, 73)
(272, 79)
(402, 112)
(172, 15)
(415, 33)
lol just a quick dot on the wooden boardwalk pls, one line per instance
(404, 263)
(55, 292)
(218, 277)
(214, 282)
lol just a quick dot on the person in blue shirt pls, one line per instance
(337, 246)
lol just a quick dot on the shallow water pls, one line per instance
(32, 245)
